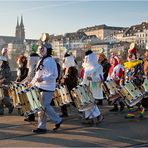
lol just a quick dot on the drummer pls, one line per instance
(45, 79)
(69, 78)
(5, 78)
(134, 72)
(116, 73)
(93, 75)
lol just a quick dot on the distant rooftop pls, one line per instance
(103, 26)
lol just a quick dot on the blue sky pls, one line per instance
(59, 17)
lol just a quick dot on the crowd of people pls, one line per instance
(98, 74)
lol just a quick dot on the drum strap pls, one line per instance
(42, 90)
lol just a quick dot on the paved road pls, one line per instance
(114, 131)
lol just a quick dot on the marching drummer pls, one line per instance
(69, 78)
(45, 79)
(5, 78)
(116, 73)
(93, 74)
(134, 72)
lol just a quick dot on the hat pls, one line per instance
(47, 45)
(132, 49)
(88, 52)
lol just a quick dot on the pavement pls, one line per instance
(113, 131)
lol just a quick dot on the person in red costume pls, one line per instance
(116, 73)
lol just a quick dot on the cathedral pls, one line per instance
(17, 44)
(17, 39)
(20, 31)
(14, 44)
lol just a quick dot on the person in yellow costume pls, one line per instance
(134, 72)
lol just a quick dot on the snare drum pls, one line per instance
(30, 100)
(110, 89)
(145, 86)
(82, 97)
(61, 96)
(130, 93)
(14, 88)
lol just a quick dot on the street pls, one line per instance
(113, 131)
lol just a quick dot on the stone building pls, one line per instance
(101, 31)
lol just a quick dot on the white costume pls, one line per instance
(32, 62)
(95, 71)
(69, 61)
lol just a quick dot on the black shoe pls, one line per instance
(57, 126)
(39, 131)
(64, 115)
(29, 120)
(114, 110)
(100, 118)
(121, 106)
(87, 121)
(11, 109)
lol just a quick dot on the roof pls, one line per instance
(136, 28)
(97, 27)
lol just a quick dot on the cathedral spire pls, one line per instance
(21, 24)
(20, 31)
(17, 22)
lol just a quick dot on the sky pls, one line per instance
(60, 17)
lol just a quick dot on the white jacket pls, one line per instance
(49, 73)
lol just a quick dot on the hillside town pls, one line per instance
(97, 38)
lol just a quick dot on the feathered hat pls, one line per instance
(132, 49)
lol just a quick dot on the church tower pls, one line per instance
(20, 31)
